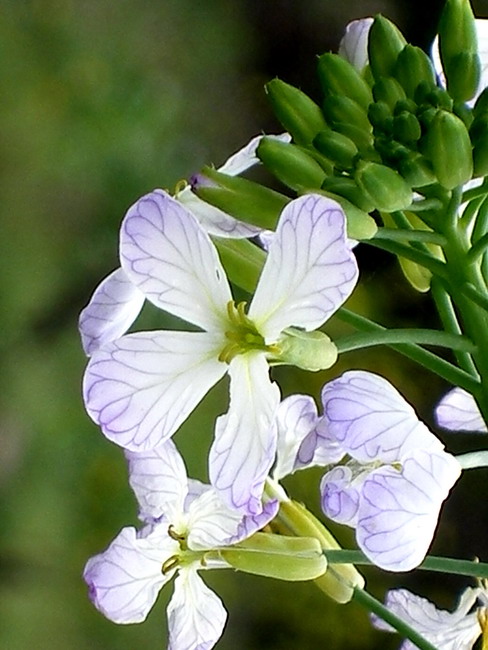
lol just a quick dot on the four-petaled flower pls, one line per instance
(392, 488)
(142, 386)
(186, 523)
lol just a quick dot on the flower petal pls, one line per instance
(141, 388)
(309, 271)
(340, 495)
(196, 616)
(354, 44)
(458, 411)
(124, 581)
(245, 441)
(112, 309)
(211, 523)
(456, 630)
(165, 252)
(158, 479)
(246, 157)
(371, 420)
(398, 510)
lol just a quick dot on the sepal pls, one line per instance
(387, 189)
(290, 164)
(384, 45)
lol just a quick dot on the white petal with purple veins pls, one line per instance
(371, 420)
(340, 495)
(399, 508)
(309, 271)
(172, 260)
(245, 441)
(158, 479)
(196, 616)
(211, 522)
(458, 411)
(112, 309)
(125, 580)
(141, 388)
(354, 44)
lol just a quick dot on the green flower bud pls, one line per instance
(340, 580)
(405, 106)
(338, 77)
(299, 114)
(464, 112)
(426, 115)
(406, 128)
(385, 43)
(448, 147)
(347, 187)
(480, 154)
(479, 126)
(277, 556)
(380, 116)
(388, 90)
(481, 105)
(290, 164)
(361, 138)
(360, 225)
(312, 351)
(387, 189)
(458, 45)
(338, 109)
(416, 170)
(338, 148)
(239, 197)
(412, 67)
(439, 98)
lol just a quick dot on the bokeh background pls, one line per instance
(100, 103)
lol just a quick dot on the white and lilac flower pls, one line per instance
(457, 630)
(182, 535)
(458, 411)
(142, 386)
(392, 488)
(116, 302)
(354, 44)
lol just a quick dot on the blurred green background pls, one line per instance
(102, 102)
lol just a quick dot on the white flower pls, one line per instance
(142, 386)
(354, 44)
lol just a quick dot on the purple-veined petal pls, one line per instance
(295, 418)
(124, 581)
(458, 411)
(455, 630)
(245, 441)
(215, 221)
(158, 479)
(172, 260)
(354, 44)
(250, 524)
(141, 388)
(112, 309)
(211, 523)
(340, 495)
(196, 616)
(398, 509)
(310, 269)
(371, 420)
(319, 447)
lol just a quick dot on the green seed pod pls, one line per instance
(417, 170)
(338, 109)
(290, 164)
(458, 45)
(388, 90)
(338, 148)
(298, 114)
(338, 77)
(406, 128)
(240, 197)
(413, 67)
(448, 147)
(385, 43)
(387, 189)
(347, 188)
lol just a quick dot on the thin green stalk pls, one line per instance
(435, 266)
(423, 236)
(450, 321)
(404, 630)
(448, 371)
(425, 204)
(405, 335)
(474, 192)
(470, 212)
(475, 295)
(478, 249)
(431, 563)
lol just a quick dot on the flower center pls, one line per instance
(184, 557)
(242, 335)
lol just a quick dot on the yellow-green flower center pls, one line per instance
(242, 334)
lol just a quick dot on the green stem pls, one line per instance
(474, 192)
(475, 295)
(424, 236)
(435, 266)
(478, 249)
(413, 335)
(373, 605)
(431, 563)
(425, 204)
(451, 373)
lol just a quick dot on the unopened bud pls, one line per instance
(312, 351)
(361, 138)
(339, 109)
(290, 164)
(338, 77)
(388, 90)
(348, 188)
(406, 128)
(412, 67)
(384, 45)
(338, 148)
(387, 189)
(416, 170)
